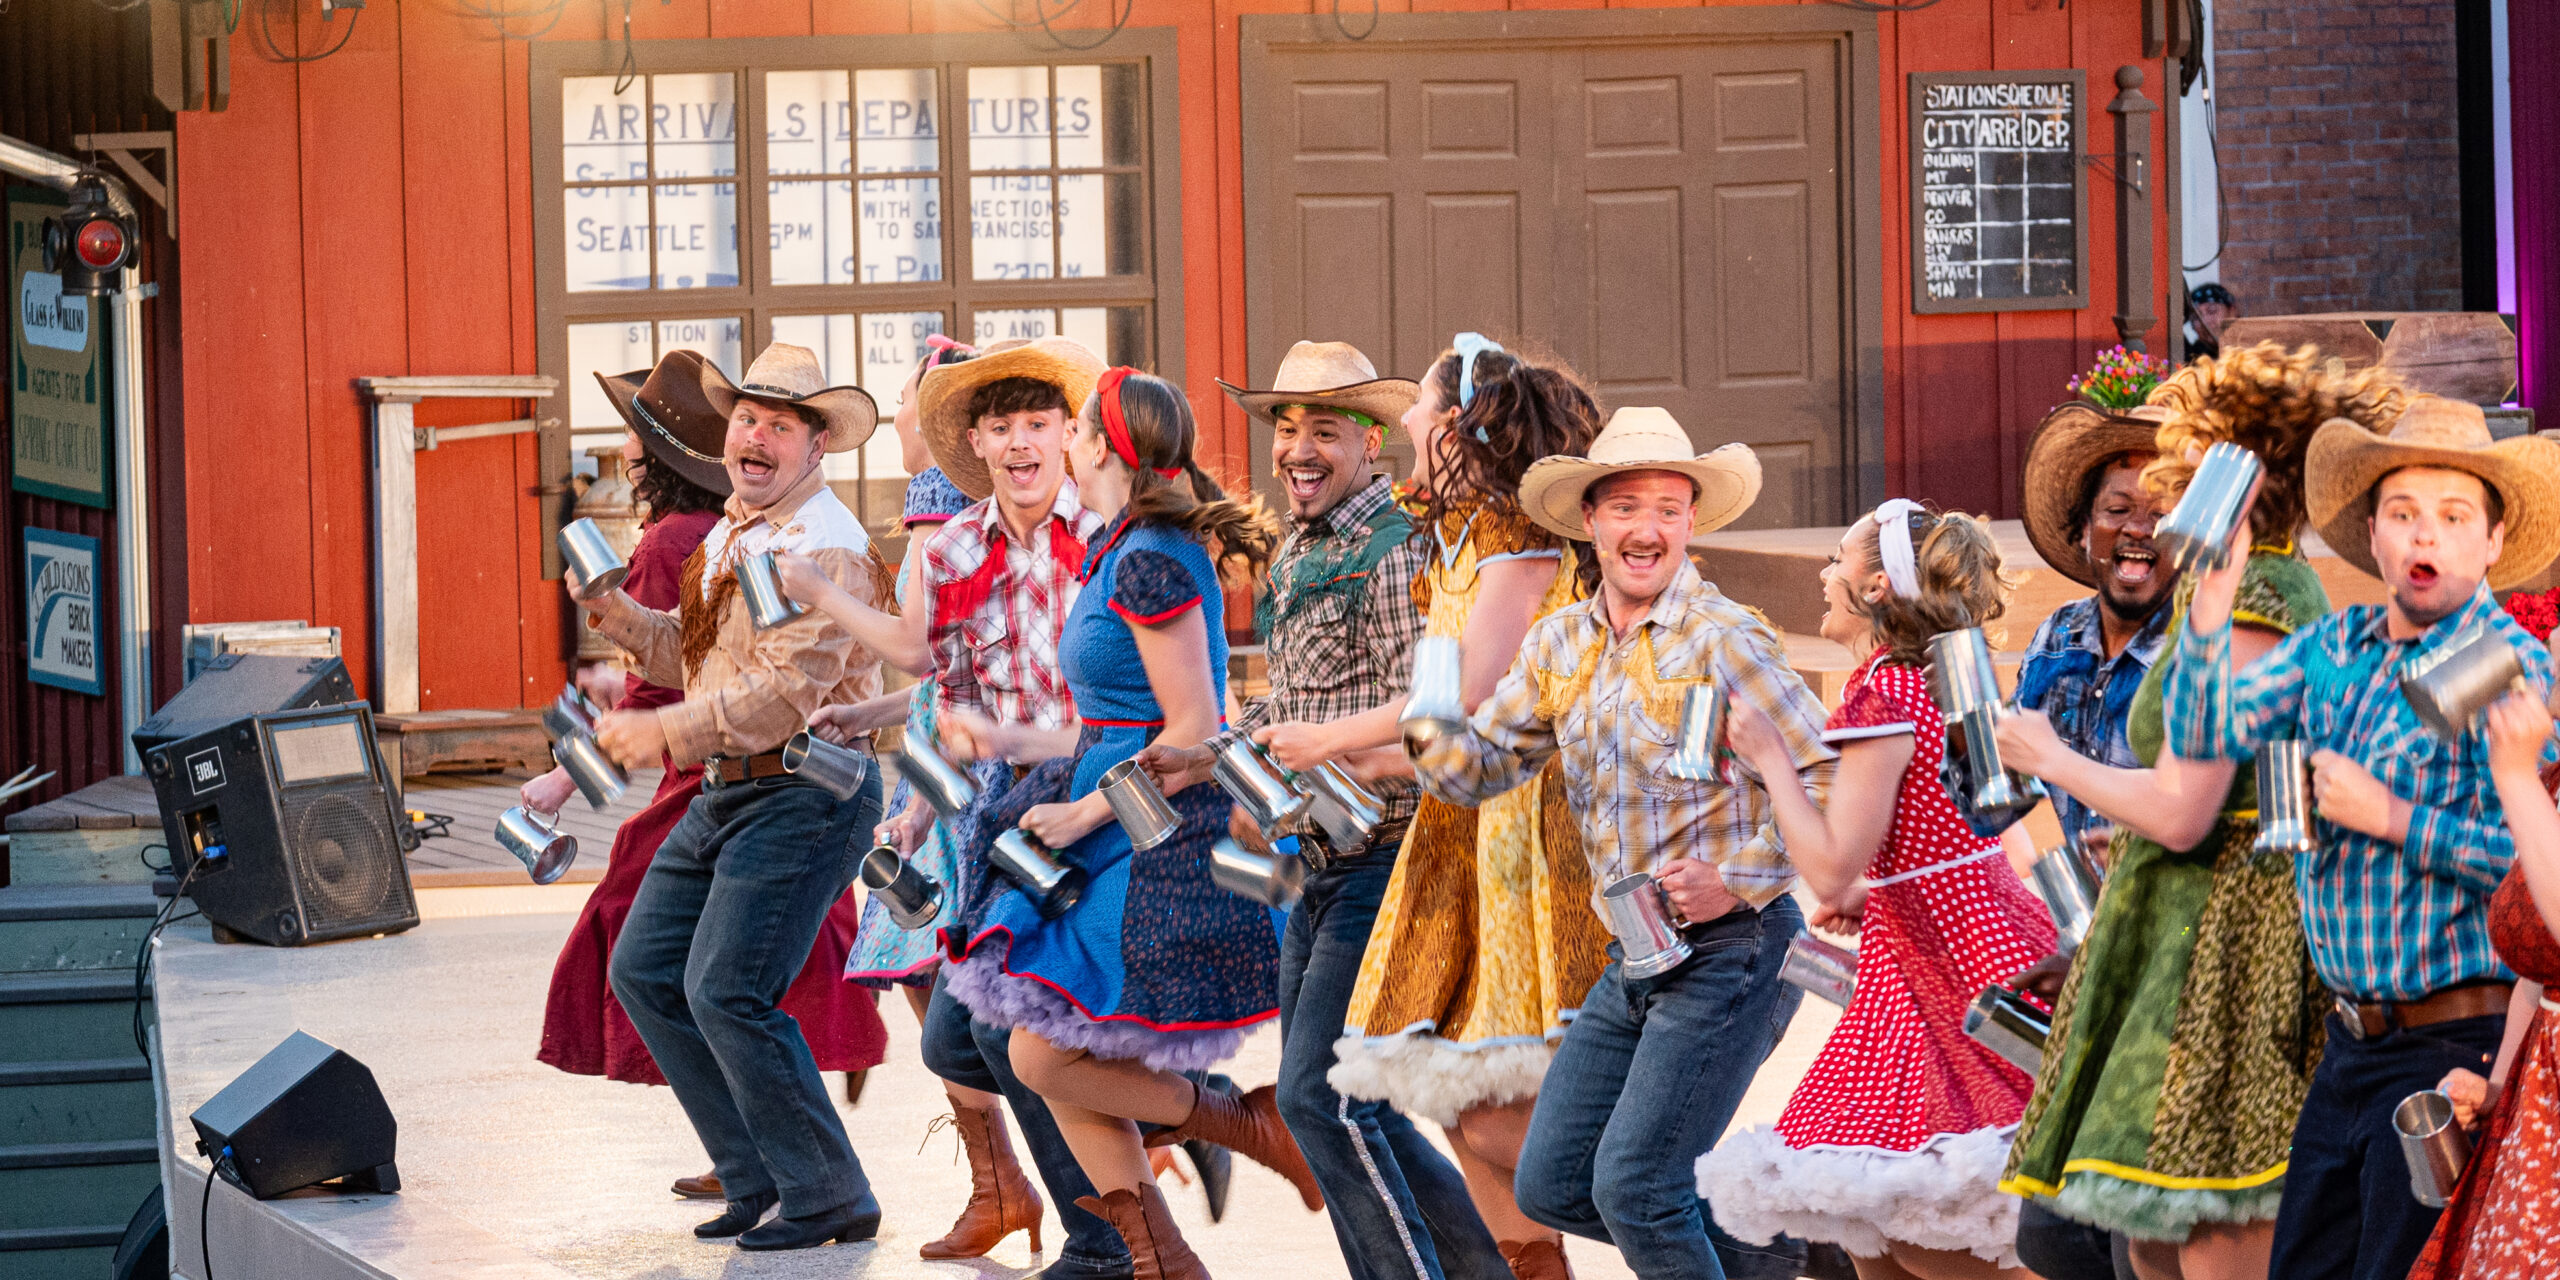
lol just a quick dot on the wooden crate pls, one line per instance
(2464, 355)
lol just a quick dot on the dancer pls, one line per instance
(2187, 1029)
(1652, 1068)
(2413, 839)
(1892, 1144)
(1155, 969)
(1338, 625)
(1484, 943)
(2504, 1220)
(673, 429)
(738, 891)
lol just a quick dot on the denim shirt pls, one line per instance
(2068, 676)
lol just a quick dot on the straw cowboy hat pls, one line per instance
(786, 374)
(1728, 478)
(2346, 460)
(1331, 375)
(942, 403)
(676, 424)
(2069, 444)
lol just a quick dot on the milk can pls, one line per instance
(609, 502)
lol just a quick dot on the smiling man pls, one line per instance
(2412, 838)
(1650, 1071)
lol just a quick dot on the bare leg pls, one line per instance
(1487, 1140)
(961, 1095)
(2224, 1251)
(1116, 1087)
(1941, 1264)
(2159, 1260)
(1121, 1089)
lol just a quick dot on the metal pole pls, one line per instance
(2133, 208)
(133, 514)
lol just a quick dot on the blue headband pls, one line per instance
(1469, 345)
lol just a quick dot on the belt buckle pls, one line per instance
(2352, 1013)
(711, 779)
(1313, 852)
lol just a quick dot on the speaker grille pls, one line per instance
(345, 860)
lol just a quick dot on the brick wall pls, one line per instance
(2341, 182)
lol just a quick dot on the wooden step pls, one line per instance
(66, 928)
(42, 1199)
(57, 1019)
(93, 836)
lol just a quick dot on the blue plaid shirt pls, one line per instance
(2068, 676)
(2385, 921)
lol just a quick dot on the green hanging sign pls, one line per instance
(58, 387)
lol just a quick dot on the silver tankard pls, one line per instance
(1639, 914)
(1050, 882)
(594, 566)
(2284, 799)
(2452, 683)
(761, 584)
(1436, 709)
(942, 783)
(2002, 1021)
(1259, 787)
(2197, 533)
(1139, 805)
(840, 770)
(545, 850)
(1274, 879)
(913, 898)
(571, 712)
(1821, 969)
(2436, 1147)
(1348, 812)
(599, 779)
(1698, 756)
(2068, 883)
(1966, 688)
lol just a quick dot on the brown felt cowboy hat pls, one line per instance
(1641, 439)
(2071, 442)
(942, 402)
(1328, 375)
(790, 375)
(677, 426)
(2346, 460)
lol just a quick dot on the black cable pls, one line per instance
(629, 71)
(266, 33)
(1118, 24)
(144, 854)
(1365, 32)
(204, 1229)
(500, 17)
(142, 957)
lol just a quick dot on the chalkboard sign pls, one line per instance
(1999, 214)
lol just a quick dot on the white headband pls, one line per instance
(1893, 546)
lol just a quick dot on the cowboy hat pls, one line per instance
(677, 426)
(1328, 375)
(2346, 460)
(1728, 478)
(786, 374)
(942, 402)
(2069, 444)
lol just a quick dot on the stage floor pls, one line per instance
(514, 1169)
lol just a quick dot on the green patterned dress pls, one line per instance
(2190, 1022)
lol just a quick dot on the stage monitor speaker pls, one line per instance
(233, 685)
(304, 1114)
(284, 828)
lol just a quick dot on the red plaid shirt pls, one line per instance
(998, 606)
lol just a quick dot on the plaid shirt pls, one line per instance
(2385, 921)
(1000, 657)
(1339, 624)
(2089, 696)
(1611, 704)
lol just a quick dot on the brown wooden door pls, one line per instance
(1666, 215)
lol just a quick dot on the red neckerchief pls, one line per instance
(963, 598)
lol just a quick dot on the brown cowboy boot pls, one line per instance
(1535, 1259)
(1146, 1225)
(1001, 1200)
(1249, 1126)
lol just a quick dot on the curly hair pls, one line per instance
(1240, 535)
(1524, 409)
(666, 492)
(2269, 401)
(1962, 585)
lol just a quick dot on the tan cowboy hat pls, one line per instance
(786, 374)
(2069, 444)
(676, 424)
(942, 403)
(1636, 439)
(1331, 375)
(2346, 460)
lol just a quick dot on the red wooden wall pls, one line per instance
(369, 214)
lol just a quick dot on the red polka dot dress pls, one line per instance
(1900, 1129)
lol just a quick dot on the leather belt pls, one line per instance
(722, 771)
(2366, 1020)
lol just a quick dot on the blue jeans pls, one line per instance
(1399, 1208)
(1647, 1078)
(721, 926)
(974, 1055)
(2347, 1212)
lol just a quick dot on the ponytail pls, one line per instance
(1155, 420)
(1962, 584)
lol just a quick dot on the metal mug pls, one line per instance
(2452, 683)
(1992, 796)
(1639, 914)
(1258, 786)
(1962, 677)
(2284, 799)
(841, 770)
(1052, 884)
(599, 779)
(593, 564)
(2437, 1147)
(761, 584)
(1272, 879)
(545, 850)
(1821, 969)
(1436, 709)
(1139, 805)
(2068, 882)
(913, 898)
(1701, 741)
(2197, 533)
(2002, 1021)
(1346, 811)
(571, 712)
(942, 784)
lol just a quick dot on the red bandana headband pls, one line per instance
(1116, 425)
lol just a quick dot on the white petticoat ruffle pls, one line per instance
(1945, 1195)
(1422, 1075)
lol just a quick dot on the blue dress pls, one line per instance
(1156, 962)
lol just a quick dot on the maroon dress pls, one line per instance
(584, 1030)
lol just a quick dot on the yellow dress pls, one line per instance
(1486, 940)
